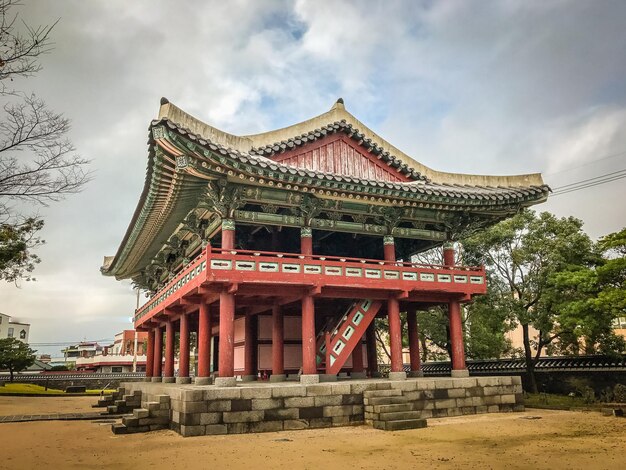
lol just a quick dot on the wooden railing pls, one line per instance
(216, 265)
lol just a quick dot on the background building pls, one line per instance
(13, 329)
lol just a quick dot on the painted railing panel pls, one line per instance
(262, 267)
(218, 266)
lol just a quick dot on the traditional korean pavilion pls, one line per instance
(279, 249)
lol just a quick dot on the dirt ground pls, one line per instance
(537, 439)
(43, 405)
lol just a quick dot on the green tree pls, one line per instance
(591, 297)
(16, 242)
(15, 356)
(524, 253)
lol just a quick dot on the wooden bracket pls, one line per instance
(315, 290)
(233, 288)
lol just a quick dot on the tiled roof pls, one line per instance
(350, 131)
(254, 157)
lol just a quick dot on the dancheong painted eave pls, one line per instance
(185, 154)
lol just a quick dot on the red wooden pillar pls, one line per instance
(183, 354)
(204, 344)
(228, 234)
(158, 354)
(372, 355)
(393, 314)
(358, 372)
(309, 361)
(226, 366)
(250, 346)
(309, 353)
(414, 344)
(459, 368)
(306, 240)
(278, 346)
(168, 373)
(150, 356)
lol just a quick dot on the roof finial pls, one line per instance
(339, 104)
(164, 100)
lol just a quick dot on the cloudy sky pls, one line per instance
(467, 86)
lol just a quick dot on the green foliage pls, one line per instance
(487, 321)
(524, 255)
(16, 242)
(15, 355)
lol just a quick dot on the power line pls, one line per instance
(559, 188)
(590, 182)
(587, 164)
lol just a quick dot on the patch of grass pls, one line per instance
(557, 402)
(31, 389)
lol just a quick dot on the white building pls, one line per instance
(13, 328)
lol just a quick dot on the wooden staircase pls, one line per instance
(389, 410)
(334, 346)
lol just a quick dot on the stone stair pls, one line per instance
(155, 416)
(389, 410)
(120, 403)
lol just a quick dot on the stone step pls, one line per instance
(141, 413)
(390, 408)
(382, 393)
(119, 429)
(153, 406)
(112, 409)
(130, 421)
(400, 424)
(385, 400)
(400, 415)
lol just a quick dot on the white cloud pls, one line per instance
(479, 87)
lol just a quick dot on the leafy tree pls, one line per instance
(16, 242)
(591, 297)
(15, 355)
(38, 163)
(525, 253)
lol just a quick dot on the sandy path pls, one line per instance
(41, 405)
(557, 440)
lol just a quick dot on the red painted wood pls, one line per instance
(204, 340)
(448, 256)
(389, 252)
(354, 340)
(338, 153)
(250, 345)
(414, 343)
(150, 354)
(306, 245)
(169, 349)
(357, 357)
(278, 335)
(309, 365)
(395, 334)
(175, 292)
(158, 351)
(456, 336)
(228, 239)
(227, 335)
(372, 356)
(183, 355)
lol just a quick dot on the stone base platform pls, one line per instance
(196, 410)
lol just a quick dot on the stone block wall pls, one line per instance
(206, 410)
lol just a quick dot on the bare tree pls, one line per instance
(38, 163)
